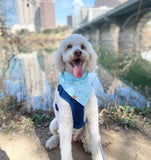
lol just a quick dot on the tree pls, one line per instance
(2, 28)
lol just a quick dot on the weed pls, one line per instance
(39, 118)
(132, 117)
(27, 122)
(6, 130)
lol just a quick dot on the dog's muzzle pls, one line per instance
(77, 53)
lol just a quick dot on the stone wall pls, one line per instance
(115, 90)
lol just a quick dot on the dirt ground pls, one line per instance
(118, 144)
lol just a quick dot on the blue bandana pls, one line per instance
(78, 88)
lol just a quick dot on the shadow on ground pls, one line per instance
(3, 155)
(77, 149)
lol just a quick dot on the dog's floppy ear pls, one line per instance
(58, 60)
(91, 64)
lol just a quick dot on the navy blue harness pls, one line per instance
(76, 107)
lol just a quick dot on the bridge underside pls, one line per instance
(122, 28)
(122, 39)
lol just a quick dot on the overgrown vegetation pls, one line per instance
(7, 103)
(40, 118)
(23, 32)
(127, 117)
(11, 117)
(55, 30)
(15, 116)
(130, 68)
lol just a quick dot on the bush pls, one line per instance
(23, 32)
(48, 31)
(54, 30)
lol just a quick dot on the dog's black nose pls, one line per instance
(77, 53)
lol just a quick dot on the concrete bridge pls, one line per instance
(126, 31)
(121, 28)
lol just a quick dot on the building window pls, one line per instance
(27, 4)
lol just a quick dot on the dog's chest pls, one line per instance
(76, 108)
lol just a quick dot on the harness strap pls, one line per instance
(76, 107)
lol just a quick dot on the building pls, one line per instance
(69, 21)
(100, 8)
(47, 14)
(109, 3)
(89, 13)
(76, 14)
(28, 14)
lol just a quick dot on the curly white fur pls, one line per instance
(62, 126)
(63, 56)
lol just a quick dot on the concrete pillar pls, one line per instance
(109, 36)
(127, 39)
(127, 34)
(143, 32)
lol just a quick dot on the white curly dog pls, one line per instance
(75, 117)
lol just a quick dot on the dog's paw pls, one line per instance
(85, 143)
(86, 148)
(52, 142)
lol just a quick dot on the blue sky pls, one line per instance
(62, 9)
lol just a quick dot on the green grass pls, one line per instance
(140, 74)
(137, 74)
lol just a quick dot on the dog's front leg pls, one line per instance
(94, 141)
(65, 131)
(93, 128)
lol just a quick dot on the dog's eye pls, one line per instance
(69, 46)
(82, 46)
